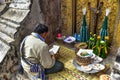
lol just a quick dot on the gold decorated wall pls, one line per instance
(94, 10)
(66, 8)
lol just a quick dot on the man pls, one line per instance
(34, 50)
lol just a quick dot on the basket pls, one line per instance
(82, 45)
(83, 61)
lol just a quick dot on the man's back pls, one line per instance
(36, 51)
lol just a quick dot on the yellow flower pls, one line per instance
(98, 37)
(94, 35)
(106, 37)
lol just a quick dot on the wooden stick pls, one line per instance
(74, 16)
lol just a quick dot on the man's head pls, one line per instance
(42, 30)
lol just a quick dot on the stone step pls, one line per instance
(8, 20)
(8, 30)
(20, 5)
(22, 1)
(9, 23)
(6, 38)
(4, 48)
(15, 15)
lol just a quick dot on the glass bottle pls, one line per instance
(75, 36)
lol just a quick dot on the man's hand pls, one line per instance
(55, 56)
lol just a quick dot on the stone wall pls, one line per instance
(10, 20)
(16, 22)
(66, 16)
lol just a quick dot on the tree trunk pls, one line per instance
(52, 12)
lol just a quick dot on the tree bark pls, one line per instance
(52, 12)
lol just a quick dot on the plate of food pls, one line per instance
(86, 68)
(98, 66)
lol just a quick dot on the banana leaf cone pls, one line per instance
(89, 41)
(96, 51)
(107, 48)
(84, 33)
(104, 30)
(92, 41)
(103, 51)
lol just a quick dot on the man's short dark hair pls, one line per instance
(41, 28)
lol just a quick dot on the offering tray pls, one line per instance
(91, 68)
